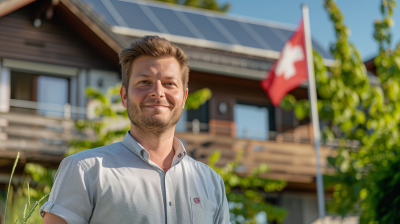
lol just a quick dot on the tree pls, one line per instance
(369, 115)
(246, 194)
(204, 4)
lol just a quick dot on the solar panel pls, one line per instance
(315, 45)
(287, 33)
(282, 34)
(134, 16)
(184, 22)
(102, 10)
(270, 37)
(239, 33)
(171, 21)
(204, 25)
(320, 50)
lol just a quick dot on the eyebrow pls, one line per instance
(144, 75)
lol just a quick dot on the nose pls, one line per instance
(157, 90)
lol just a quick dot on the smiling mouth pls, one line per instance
(156, 106)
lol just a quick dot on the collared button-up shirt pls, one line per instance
(118, 183)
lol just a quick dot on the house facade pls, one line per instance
(51, 51)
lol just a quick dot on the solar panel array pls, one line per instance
(198, 24)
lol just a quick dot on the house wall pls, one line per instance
(52, 49)
(53, 42)
(232, 90)
(103, 79)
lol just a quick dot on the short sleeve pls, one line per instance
(69, 198)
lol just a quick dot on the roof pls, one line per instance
(81, 11)
(215, 42)
(197, 27)
(7, 6)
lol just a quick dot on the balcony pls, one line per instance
(39, 131)
(44, 139)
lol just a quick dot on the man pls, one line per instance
(146, 178)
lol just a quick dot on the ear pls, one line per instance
(122, 93)
(185, 97)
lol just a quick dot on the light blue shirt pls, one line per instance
(118, 183)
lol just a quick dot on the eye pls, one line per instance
(143, 82)
(169, 83)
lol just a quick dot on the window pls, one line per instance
(251, 121)
(23, 86)
(188, 116)
(181, 126)
(50, 90)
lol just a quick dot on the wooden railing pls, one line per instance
(66, 111)
(290, 155)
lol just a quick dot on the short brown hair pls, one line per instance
(154, 46)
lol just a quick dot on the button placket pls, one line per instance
(170, 197)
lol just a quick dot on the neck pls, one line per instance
(160, 146)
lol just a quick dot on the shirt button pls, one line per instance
(170, 204)
(180, 155)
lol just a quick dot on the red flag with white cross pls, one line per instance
(290, 70)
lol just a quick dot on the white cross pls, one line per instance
(290, 55)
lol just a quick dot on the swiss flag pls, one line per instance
(290, 70)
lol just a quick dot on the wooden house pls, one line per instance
(51, 50)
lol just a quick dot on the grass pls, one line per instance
(19, 200)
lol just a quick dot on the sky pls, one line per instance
(359, 17)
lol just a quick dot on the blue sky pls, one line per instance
(359, 16)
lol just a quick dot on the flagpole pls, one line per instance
(312, 94)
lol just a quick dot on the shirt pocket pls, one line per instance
(203, 210)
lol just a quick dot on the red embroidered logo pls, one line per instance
(197, 200)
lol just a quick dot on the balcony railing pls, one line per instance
(66, 111)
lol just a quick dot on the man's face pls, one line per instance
(156, 96)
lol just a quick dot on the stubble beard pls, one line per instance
(151, 125)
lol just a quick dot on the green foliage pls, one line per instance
(43, 179)
(107, 113)
(20, 209)
(197, 98)
(244, 193)
(204, 4)
(367, 114)
(9, 184)
(382, 197)
(19, 204)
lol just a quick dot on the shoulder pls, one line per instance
(90, 157)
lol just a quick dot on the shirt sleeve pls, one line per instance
(69, 198)
(223, 216)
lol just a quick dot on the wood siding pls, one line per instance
(53, 42)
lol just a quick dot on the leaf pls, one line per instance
(302, 110)
(9, 184)
(288, 102)
(197, 98)
(214, 157)
(33, 209)
(22, 211)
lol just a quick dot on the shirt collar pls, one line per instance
(135, 147)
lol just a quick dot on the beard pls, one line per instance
(151, 124)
